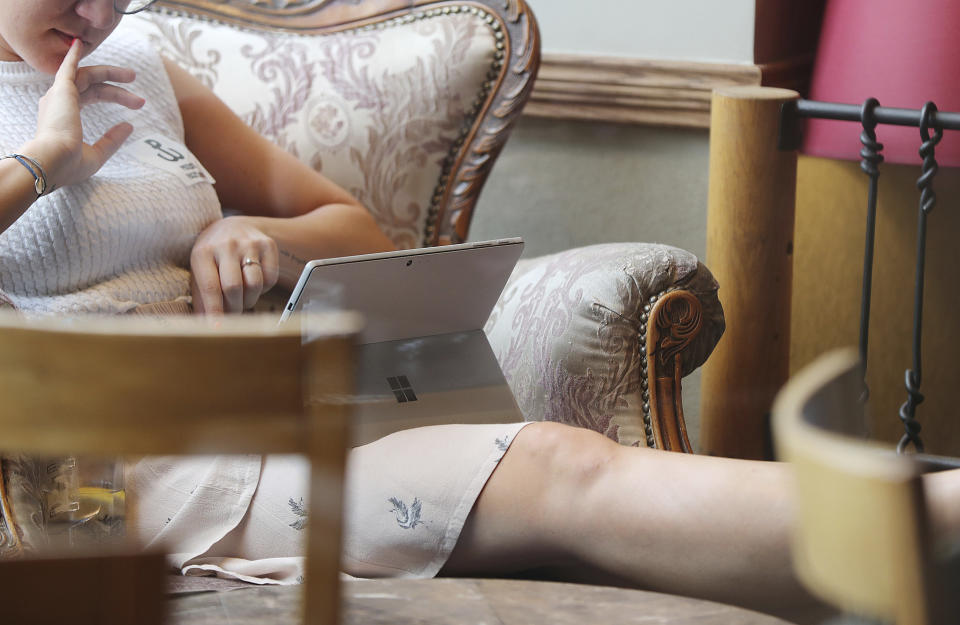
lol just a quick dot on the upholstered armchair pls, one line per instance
(407, 103)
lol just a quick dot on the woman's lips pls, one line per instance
(67, 37)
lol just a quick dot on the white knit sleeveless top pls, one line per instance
(121, 238)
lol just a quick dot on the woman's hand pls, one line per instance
(58, 143)
(233, 263)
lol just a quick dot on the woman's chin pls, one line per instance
(48, 64)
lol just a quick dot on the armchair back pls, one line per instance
(405, 103)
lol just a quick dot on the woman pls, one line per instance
(91, 222)
(289, 211)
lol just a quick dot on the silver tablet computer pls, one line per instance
(409, 293)
(423, 358)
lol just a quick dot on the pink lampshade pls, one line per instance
(902, 52)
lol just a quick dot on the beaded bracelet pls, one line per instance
(39, 176)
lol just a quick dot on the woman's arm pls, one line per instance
(58, 145)
(17, 191)
(290, 213)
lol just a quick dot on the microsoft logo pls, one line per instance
(401, 388)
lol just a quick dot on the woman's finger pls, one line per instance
(198, 308)
(101, 92)
(207, 296)
(270, 263)
(92, 74)
(68, 67)
(231, 284)
(252, 284)
(110, 142)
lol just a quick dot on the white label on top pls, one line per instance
(171, 156)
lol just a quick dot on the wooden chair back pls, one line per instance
(107, 385)
(861, 541)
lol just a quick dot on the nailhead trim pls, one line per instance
(644, 384)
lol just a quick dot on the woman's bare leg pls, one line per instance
(699, 526)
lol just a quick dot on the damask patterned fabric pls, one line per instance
(567, 331)
(376, 110)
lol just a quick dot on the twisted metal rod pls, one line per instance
(928, 199)
(870, 164)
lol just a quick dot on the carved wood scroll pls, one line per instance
(10, 544)
(508, 85)
(674, 322)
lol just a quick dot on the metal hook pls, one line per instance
(870, 159)
(868, 117)
(870, 153)
(928, 199)
(926, 121)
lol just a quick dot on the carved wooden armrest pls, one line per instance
(674, 322)
(600, 336)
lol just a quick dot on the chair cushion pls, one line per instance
(568, 334)
(380, 110)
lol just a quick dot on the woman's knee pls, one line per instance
(536, 503)
(564, 457)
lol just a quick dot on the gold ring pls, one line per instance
(250, 261)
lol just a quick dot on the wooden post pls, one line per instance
(750, 212)
(328, 379)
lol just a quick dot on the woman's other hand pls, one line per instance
(233, 263)
(58, 143)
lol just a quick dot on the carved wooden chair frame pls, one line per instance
(675, 319)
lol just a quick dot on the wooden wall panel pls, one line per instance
(828, 252)
(642, 91)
